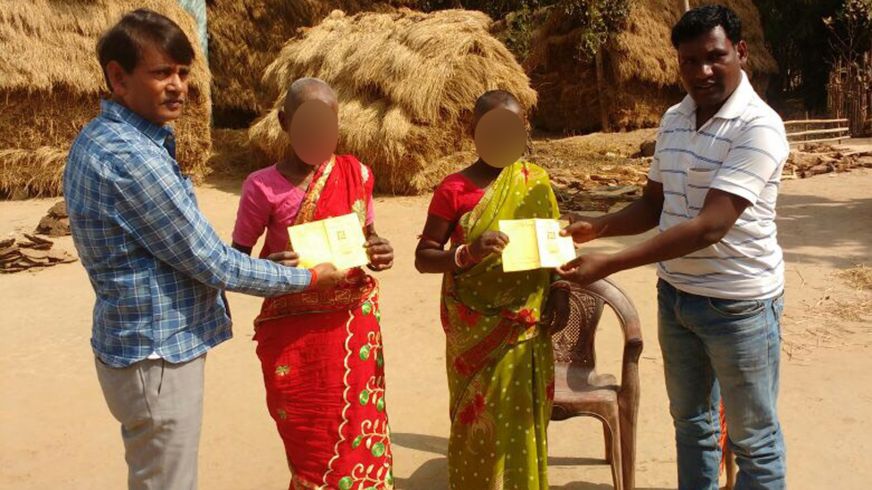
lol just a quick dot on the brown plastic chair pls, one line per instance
(573, 314)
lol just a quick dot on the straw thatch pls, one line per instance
(640, 66)
(232, 154)
(406, 82)
(51, 82)
(32, 172)
(246, 35)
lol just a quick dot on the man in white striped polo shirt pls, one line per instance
(711, 190)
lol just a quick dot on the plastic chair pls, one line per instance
(573, 313)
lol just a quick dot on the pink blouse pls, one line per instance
(270, 202)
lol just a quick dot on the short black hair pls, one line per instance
(492, 99)
(700, 20)
(123, 42)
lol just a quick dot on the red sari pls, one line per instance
(322, 360)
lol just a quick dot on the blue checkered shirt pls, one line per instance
(156, 265)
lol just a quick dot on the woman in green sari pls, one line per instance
(499, 359)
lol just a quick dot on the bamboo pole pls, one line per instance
(838, 139)
(814, 121)
(818, 131)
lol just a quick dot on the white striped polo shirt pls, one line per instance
(741, 150)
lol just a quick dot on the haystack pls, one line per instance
(51, 83)
(406, 83)
(640, 67)
(246, 35)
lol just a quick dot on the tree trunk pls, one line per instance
(601, 90)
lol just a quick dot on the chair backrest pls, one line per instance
(574, 331)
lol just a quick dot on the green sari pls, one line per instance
(499, 360)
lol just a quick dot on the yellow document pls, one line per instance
(535, 244)
(337, 240)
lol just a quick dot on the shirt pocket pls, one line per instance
(696, 186)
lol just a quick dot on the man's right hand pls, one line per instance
(581, 228)
(328, 276)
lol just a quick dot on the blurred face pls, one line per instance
(312, 125)
(156, 89)
(314, 132)
(711, 67)
(500, 136)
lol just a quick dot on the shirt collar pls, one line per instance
(734, 106)
(116, 112)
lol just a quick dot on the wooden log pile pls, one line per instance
(596, 192)
(813, 160)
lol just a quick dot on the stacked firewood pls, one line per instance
(811, 160)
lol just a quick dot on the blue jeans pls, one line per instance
(715, 348)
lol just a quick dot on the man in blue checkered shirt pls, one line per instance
(156, 265)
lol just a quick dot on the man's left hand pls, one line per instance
(380, 253)
(586, 269)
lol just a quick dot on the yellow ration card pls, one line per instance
(535, 244)
(337, 240)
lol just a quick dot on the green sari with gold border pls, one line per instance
(499, 359)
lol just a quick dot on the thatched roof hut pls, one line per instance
(246, 35)
(406, 83)
(640, 67)
(51, 82)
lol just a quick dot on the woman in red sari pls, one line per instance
(321, 350)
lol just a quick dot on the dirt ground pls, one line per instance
(56, 432)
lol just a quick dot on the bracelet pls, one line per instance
(457, 260)
(314, 279)
(463, 257)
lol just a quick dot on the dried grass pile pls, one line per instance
(858, 277)
(406, 83)
(640, 68)
(246, 35)
(51, 82)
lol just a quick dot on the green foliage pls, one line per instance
(597, 19)
(851, 30)
(797, 35)
(518, 35)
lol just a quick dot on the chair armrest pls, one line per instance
(628, 318)
(624, 309)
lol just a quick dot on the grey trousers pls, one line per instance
(160, 408)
